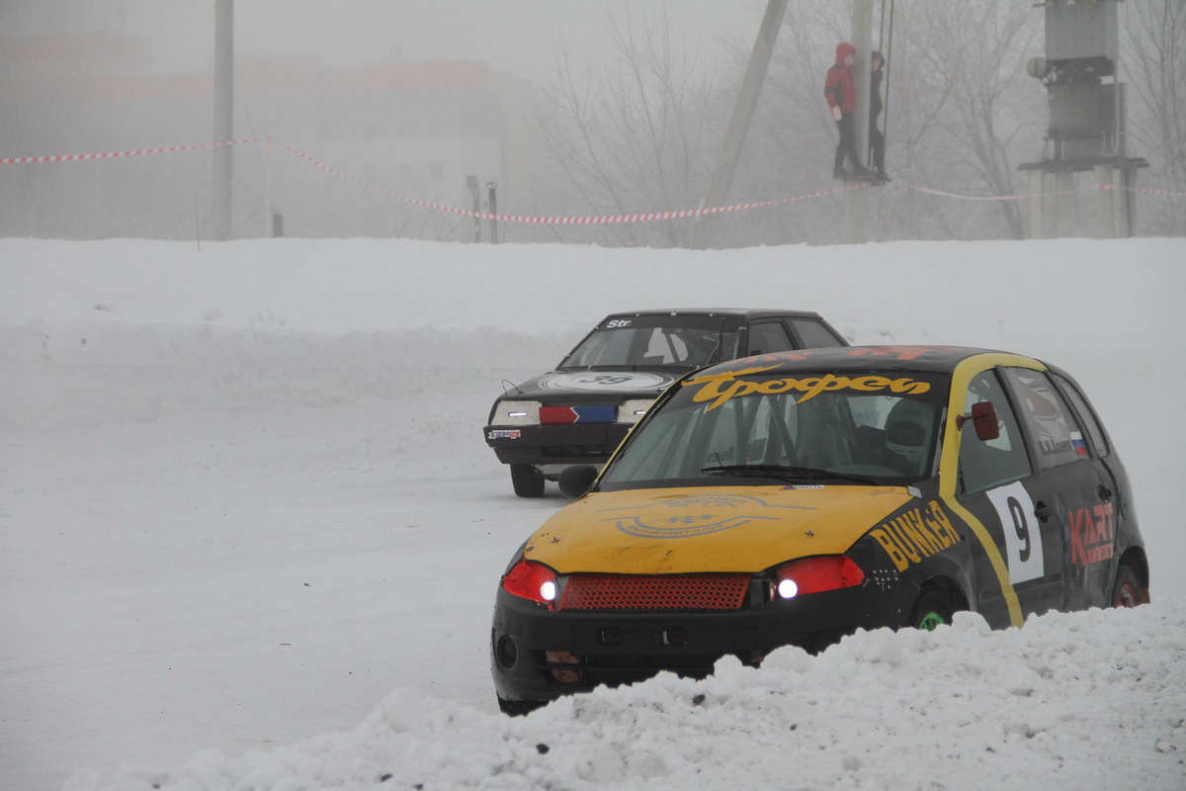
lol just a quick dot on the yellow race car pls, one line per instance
(793, 498)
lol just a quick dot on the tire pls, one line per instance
(517, 708)
(527, 480)
(1126, 592)
(932, 608)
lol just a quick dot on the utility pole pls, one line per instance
(492, 192)
(472, 183)
(1080, 71)
(743, 111)
(856, 200)
(268, 225)
(224, 109)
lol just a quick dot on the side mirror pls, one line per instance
(984, 419)
(575, 481)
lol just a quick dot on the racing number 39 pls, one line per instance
(1023, 532)
(607, 380)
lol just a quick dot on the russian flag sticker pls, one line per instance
(1078, 444)
(577, 414)
(557, 414)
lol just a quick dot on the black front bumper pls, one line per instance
(556, 444)
(590, 648)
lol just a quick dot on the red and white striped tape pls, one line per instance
(120, 154)
(944, 194)
(605, 219)
(1142, 190)
(598, 219)
(1145, 191)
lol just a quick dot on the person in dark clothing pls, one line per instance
(840, 91)
(876, 138)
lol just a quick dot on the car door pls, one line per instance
(997, 483)
(1070, 493)
(1092, 539)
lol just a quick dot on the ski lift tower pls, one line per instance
(1087, 119)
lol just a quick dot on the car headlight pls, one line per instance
(631, 411)
(532, 581)
(815, 575)
(515, 413)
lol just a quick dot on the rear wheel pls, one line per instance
(527, 480)
(1127, 590)
(932, 609)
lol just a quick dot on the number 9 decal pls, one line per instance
(1023, 531)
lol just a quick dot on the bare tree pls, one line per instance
(965, 72)
(963, 114)
(1155, 57)
(631, 139)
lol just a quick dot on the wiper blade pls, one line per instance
(783, 472)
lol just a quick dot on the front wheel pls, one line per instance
(527, 480)
(932, 609)
(1127, 590)
(517, 708)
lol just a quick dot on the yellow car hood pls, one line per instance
(721, 528)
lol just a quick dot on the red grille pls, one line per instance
(654, 592)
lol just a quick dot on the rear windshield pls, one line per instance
(680, 341)
(795, 427)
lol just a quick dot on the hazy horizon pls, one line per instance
(613, 107)
(524, 37)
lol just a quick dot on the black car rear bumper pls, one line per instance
(539, 655)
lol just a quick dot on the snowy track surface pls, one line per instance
(250, 533)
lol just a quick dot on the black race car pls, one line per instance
(578, 413)
(793, 498)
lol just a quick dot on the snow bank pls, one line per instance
(1083, 700)
(245, 507)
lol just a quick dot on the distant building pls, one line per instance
(414, 129)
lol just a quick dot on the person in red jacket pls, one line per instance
(841, 93)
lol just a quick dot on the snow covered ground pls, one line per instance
(250, 533)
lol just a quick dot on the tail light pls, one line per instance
(815, 575)
(532, 581)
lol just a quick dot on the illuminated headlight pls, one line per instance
(630, 411)
(516, 413)
(816, 575)
(532, 581)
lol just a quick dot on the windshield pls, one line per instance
(764, 426)
(682, 341)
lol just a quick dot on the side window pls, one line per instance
(1098, 440)
(984, 464)
(768, 336)
(1056, 435)
(814, 334)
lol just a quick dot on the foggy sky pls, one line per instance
(525, 37)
